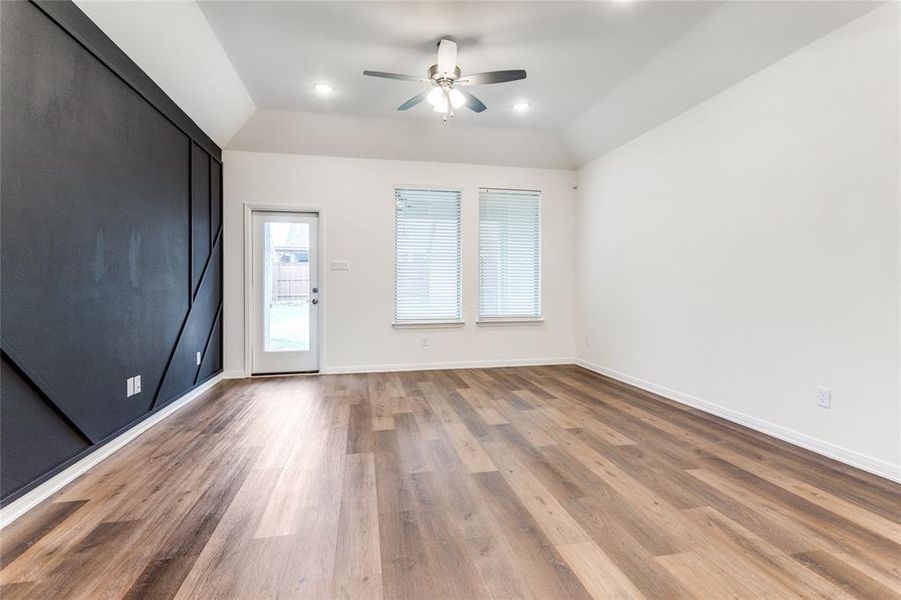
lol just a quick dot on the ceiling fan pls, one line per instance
(447, 91)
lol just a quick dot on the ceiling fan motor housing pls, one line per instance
(438, 77)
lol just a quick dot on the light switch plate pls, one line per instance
(137, 384)
(340, 265)
(824, 397)
(130, 387)
(198, 358)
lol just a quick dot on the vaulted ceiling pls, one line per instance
(600, 73)
(575, 52)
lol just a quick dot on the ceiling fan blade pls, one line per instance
(398, 76)
(414, 100)
(472, 103)
(447, 56)
(492, 77)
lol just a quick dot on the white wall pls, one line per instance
(295, 132)
(747, 251)
(358, 197)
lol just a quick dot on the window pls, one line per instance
(427, 255)
(509, 254)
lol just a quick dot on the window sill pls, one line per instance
(428, 324)
(511, 321)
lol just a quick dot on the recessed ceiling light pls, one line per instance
(323, 88)
(521, 106)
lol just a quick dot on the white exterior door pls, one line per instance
(285, 292)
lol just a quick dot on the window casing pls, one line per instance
(509, 255)
(427, 253)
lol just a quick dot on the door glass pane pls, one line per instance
(286, 287)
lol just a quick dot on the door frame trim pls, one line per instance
(319, 211)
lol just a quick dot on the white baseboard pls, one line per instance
(20, 506)
(849, 457)
(475, 364)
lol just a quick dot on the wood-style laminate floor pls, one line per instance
(541, 482)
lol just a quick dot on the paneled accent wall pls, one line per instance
(111, 243)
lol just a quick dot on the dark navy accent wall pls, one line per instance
(110, 225)
(200, 211)
(23, 453)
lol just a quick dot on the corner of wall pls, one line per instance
(897, 8)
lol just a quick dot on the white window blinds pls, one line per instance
(427, 255)
(509, 254)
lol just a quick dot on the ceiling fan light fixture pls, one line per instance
(435, 96)
(441, 104)
(456, 97)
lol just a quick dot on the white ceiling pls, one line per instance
(601, 72)
(737, 40)
(575, 52)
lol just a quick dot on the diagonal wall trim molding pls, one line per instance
(209, 337)
(181, 330)
(217, 240)
(47, 392)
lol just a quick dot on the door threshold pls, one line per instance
(285, 374)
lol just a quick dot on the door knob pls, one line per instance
(315, 290)
(314, 301)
